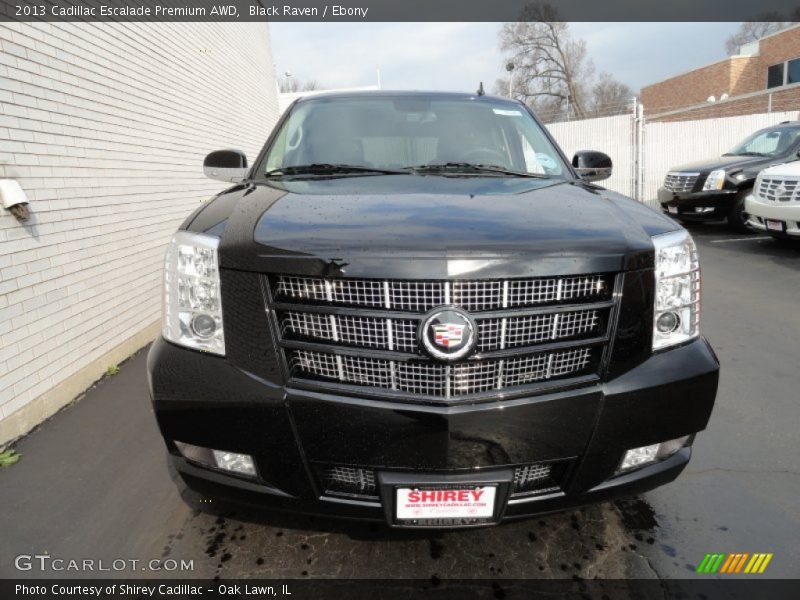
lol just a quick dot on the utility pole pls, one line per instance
(510, 66)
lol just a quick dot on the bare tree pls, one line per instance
(550, 66)
(751, 31)
(290, 84)
(552, 71)
(609, 96)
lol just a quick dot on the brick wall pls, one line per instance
(767, 101)
(105, 127)
(736, 75)
(745, 77)
(784, 45)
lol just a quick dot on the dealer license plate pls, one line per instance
(673, 210)
(774, 225)
(436, 503)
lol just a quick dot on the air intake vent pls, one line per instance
(349, 481)
(539, 479)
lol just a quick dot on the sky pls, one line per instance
(457, 56)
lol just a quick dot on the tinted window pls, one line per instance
(769, 142)
(775, 76)
(793, 75)
(403, 131)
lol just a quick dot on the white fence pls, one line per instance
(664, 145)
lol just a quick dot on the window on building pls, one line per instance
(775, 76)
(793, 71)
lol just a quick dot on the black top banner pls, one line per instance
(398, 10)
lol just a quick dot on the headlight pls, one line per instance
(192, 299)
(715, 180)
(677, 303)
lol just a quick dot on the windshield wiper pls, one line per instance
(327, 169)
(745, 154)
(463, 167)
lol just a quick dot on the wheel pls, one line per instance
(737, 219)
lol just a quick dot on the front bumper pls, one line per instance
(713, 205)
(758, 212)
(205, 401)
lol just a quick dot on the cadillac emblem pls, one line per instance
(448, 333)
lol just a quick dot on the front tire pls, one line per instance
(737, 219)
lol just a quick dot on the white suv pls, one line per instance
(774, 206)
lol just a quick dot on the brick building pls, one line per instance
(763, 77)
(105, 127)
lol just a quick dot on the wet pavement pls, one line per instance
(93, 481)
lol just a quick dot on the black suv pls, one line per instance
(715, 189)
(413, 308)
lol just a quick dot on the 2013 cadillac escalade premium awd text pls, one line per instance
(412, 308)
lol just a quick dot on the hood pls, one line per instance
(436, 227)
(721, 162)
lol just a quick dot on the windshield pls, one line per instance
(395, 134)
(768, 142)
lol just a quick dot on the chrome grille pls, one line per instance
(349, 481)
(680, 182)
(425, 379)
(421, 296)
(364, 332)
(405, 334)
(401, 334)
(440, 380)
(535, 329)
(520, 371)
(775, 189)
(475, 296)
(416, 296)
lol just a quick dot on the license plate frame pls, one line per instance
(442, 510)
(775, 225)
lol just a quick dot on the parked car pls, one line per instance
(414, 309)
(774, 206)
(716, 189)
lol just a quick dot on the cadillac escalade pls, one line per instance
(413, 308)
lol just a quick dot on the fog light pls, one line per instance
(704, 209)
(237, 463)
(242, 464)
(668, 322)
(637, 457)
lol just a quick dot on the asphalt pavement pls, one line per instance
(93, 481)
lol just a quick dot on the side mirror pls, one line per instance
(591, 165)
(229, 166)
